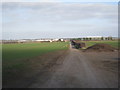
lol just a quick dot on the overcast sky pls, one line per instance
(30, 20)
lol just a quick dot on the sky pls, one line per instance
(58, 19)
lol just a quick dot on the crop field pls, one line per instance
(14, 55)
(115, 44)
(12, 52)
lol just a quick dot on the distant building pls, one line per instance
(9, 41)
(56, 39)
(62, 40)
(22, 41)
(43, 40)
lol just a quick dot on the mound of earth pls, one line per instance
(101, 47)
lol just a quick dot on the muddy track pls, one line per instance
(76, 71)
(71, 69)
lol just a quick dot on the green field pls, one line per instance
(18, 51)
(14, 55)
(112, 43)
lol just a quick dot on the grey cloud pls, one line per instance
(48, 17)
(60, 12)
(55, 11)
(73, 12)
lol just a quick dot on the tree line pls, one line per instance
(94, 38)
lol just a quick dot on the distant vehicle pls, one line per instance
(78, 45)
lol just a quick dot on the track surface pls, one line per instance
(76, 70)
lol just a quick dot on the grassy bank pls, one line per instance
(112, 43)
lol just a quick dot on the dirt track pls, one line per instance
(80, 70)
(68, 69)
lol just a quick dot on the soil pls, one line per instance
(70, 69)
(101, 47)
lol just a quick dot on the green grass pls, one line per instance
(13, 54)
(112, 43)
(15, 58)
(17, 51)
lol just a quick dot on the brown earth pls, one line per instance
(70, 69)
(101, 47)
(34, 67)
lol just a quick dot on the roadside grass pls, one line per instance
(15, 56)
(115, 44)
